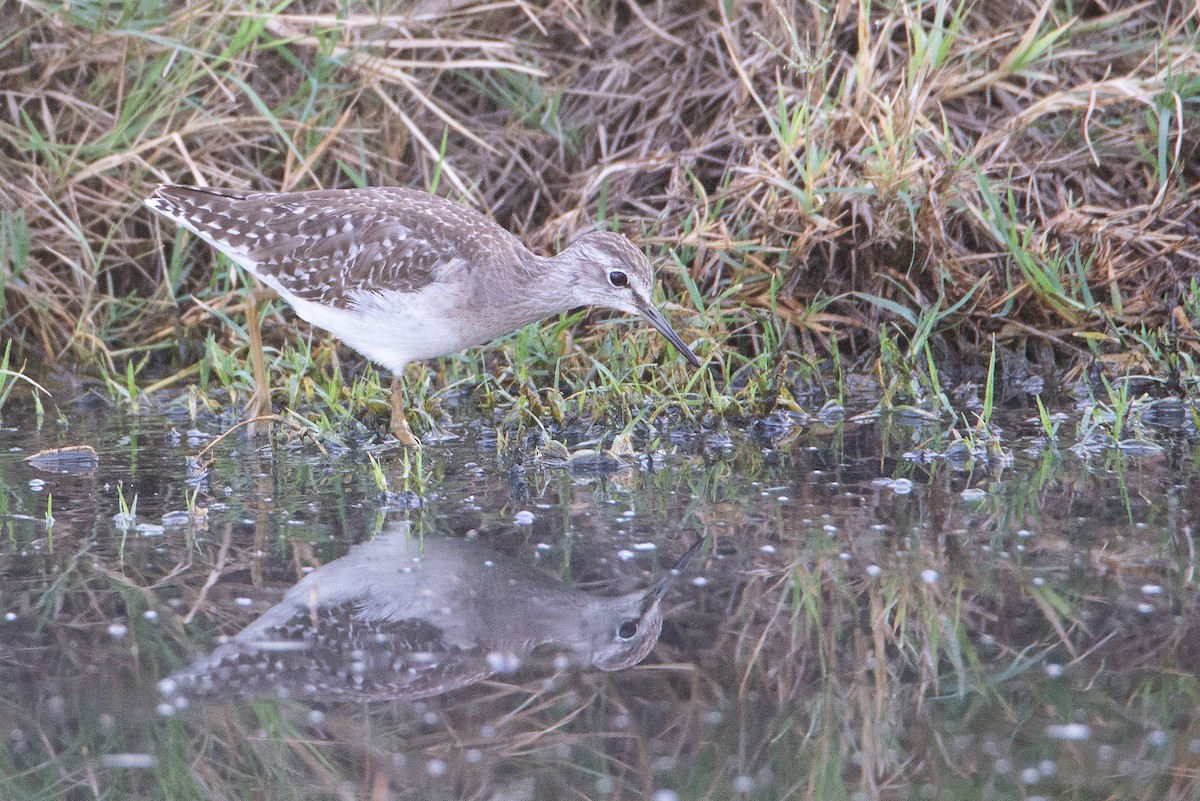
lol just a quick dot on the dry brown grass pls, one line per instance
(1039, 159)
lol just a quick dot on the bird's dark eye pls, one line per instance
(618, 279)
(627, 629)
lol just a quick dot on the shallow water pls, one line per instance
(866, 618)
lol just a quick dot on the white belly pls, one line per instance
(395, 328)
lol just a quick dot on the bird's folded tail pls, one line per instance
(210, 215)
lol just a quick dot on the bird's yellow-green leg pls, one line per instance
(259, 404)
(399, 424)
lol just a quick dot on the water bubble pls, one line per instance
(1157, 738)
(316, 717)
(487, 731)
(117, 630)
(1145, 608)
(699, 581)
(1030, 776)
(1039, 581)
(874, 571)
(767, 549)
(743, 784)
(37, 484)
(503, 662)
(435, 768)
(165, 710)
(473, 756)
(973, 494)
(665, 795)
(10, 617)
(430, 718)
(605, 785)
(523, 518)
(902, 486)
(625, 554)
(645, 546)
(543, 546)
(1047, 767)
(1024, 532)
(663, 764)
(150, 614)
(243, 601)
(929, 576)
(1053, 669)
(1151, 589)
(782, 498)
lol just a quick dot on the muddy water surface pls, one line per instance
(865, 619)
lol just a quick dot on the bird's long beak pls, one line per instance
(655, 318)
(664, 582)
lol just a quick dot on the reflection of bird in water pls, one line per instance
(404, 618)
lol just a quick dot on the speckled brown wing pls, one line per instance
(327, 246)
(333, 654)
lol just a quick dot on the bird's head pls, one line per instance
(612, 272)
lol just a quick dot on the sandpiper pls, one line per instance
(402, 617)
(402, 275)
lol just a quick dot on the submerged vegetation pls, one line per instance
(900, 188)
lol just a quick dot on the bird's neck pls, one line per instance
(549, 290)
(570, 619)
